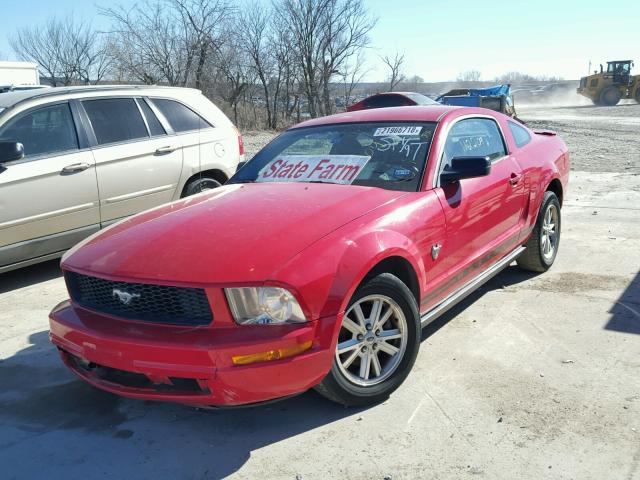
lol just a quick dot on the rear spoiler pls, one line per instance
(549, 133)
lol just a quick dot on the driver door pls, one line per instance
(482, 214)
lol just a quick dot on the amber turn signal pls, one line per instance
(271, 354)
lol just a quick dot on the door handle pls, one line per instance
(76, 167)
(515, 178)
(165, 150)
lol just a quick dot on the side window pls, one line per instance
(155, 127)
(181, 118)
(475, 137)
(520, 135)
(46, 130)
(115, 120)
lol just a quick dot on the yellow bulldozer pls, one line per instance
(610, 86)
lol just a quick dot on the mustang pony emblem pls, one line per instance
(124, 297)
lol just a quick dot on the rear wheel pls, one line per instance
(610, 96)
(542, 246)
(377, 343)
(198, 185)
(638, 95)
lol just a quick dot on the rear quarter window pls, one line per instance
(520, 135)
(180, 117)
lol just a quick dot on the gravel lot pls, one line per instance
(602, 139)
(532, 377)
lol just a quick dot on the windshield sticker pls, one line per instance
(342, 169)
(400, 131)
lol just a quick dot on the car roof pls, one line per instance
(427, 113)
(10, 99)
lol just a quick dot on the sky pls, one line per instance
(440, 39)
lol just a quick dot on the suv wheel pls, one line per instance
(377, 343)
(198, 185)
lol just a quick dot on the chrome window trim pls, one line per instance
(445, 133)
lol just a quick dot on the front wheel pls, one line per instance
(542, 246)
(377, 343)
(610, 96)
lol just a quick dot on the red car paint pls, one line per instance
(317, 240)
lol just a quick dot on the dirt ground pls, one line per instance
(532, 377)
(602, 139)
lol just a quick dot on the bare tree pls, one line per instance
(351, 76)
(395, 66)
(229, 74)
(150, 42)
(66, 50)
(469, 76)
(288, 85)
(255, 22)
(326, 34)
(203, 23)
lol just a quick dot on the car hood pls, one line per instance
(237, 233)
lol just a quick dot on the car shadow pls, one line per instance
(43, 407)
(23, 277)
(625, 313)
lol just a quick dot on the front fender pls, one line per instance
(326, 274)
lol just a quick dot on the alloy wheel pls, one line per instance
(372, 340)
(549, 241)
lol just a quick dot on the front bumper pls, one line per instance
(190, 365)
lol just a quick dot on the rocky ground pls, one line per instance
(532, 377)
(601, 139)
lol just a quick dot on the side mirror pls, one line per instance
(10, 151)
(466, 167)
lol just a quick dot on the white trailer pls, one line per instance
(19, 73)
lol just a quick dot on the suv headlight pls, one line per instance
(263, 306)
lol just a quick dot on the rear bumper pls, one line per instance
(189, 365)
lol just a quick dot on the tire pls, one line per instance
(346, 383)
(610, 96)
(198, 185)
(537, 257)
(596, 101)
(638, 95)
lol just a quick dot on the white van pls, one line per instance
(75, 159)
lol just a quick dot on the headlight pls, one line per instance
(264, 306)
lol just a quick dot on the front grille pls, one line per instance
(141, 301)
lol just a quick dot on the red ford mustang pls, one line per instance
(317, 264)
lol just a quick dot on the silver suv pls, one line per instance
(75, 159)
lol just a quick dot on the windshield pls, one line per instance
(388, 155)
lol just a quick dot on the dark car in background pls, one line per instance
(391, 99)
